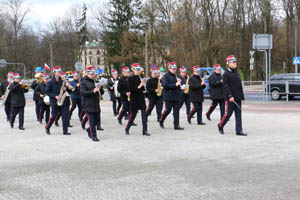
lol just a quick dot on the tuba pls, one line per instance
(62, 94)
(186, 90)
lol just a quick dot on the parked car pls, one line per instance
(278, 85)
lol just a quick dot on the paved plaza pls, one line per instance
(197, 163)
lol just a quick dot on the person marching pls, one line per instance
(112, 85)
(171, 95)
(40, 90)
(123, 89)
(154, 89)
(56, 89)
(75, 95)
(34, 84)
(91, 96)
(3, 92)
(196, 86)
(185, 90)
(17, 90)
(216, 92)
(137, 98)
(233, 92)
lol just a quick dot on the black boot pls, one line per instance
(22, 128)
(161, 124)
(83, 126)
(67, 133)
(56, 124)
(88, 132)
(208, 117)
(178, 128)
(201, 123)
(133, 124)
(11, 125)
(95, 139)
(146, 133)
(70, 126)
(126, 132)
(47, 131)
(100, 129)
(120, 121)
(241, 134)
(189, 120)
(221, 131)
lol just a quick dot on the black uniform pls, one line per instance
(34, 84)
(53, 90)
(7, 105)
(41, 90)
(171, 97)
(123, 88)
(196, 97)
(113, 98)
(91, 105)
(216, 94)
(17, 103)
(232, 87)
(137, 102)
(185, 97)
(76, 98)
(154, 100)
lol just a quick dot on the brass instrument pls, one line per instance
(159, 88)
(186, 90)
(7, 91)
(98, 86)
(61, 94)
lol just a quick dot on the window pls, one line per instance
(98, 52)
(98, 61)
(90, 61)
(90, 52)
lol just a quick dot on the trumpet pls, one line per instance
(186, 90)
(24, 86)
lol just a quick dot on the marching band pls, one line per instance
(128, 95)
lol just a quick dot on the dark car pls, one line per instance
(278, 85)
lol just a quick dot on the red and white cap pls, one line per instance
(45, 76)
(217, 66)
(136, 66)
(155, 71)
(182, 69)
(10, 74)
(230, 59)
(63, 74)
(57, 69)
(74, 73)
(172, 65)
(196, 68)
(16, 75)
(114, 72)
(125, 69)
(91, 70)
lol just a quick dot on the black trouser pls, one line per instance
(59, 110)
(114, 105)
(8, 110)
(214, 104)
(132, 117)
(158, 102)
(125, 109)
(76, 102)
(197, 108)
(43, 109)
(168, 108)
(14, 112)
(230, 107)
(93, 118)
(37, 109)
(185, 99)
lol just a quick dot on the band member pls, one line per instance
(171, 95)
(75, 95)
(91, 96)
(123, 89)
(40, 90)
(233, 92)
(98, 83)
(56, 89)
(115, 96)
(185, 90)
(17, 90)
(34, 84)
(154, 89)
(4, 86)
(137, 98)
(196, 86)
(216, 92)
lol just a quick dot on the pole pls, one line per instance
(51, 56)
(296, 46)
(269, 89)
(267, 93)
(146, 51)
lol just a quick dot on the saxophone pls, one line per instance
(159, 88)
(186, 90)
(61, 94)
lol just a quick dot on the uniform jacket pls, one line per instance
(34, 84)
(41, 89)
(53, 90)
(151, 86)
(232, 85)
(216, 86)
(171, 92)
(137, 96)
(3, 88)
(17, 95)
(110, 85)
(196, 89)
(123, 87)
(76, 93)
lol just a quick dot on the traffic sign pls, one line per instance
(251, 61)
(100, 71)
(296, 60)
(251, 67)
(79, 66)
(2, 63)
(251, 53)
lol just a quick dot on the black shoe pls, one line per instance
(201, 123)
(67, 133)
(47, 131)
(178, 128)
(56, 124)
(158, 120)
(22, 128)
(221, 131)
(83, 126)
(189, 120)
(95, 139)
(161, 124)
(88, 132)
(208, 117)
(126, 132)
(133, 124)
(115, 114)
(100, 129)
(41, 121)
(241, 134)
(11, 126)
(146, 133)
(120, 121)
(70, 126)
